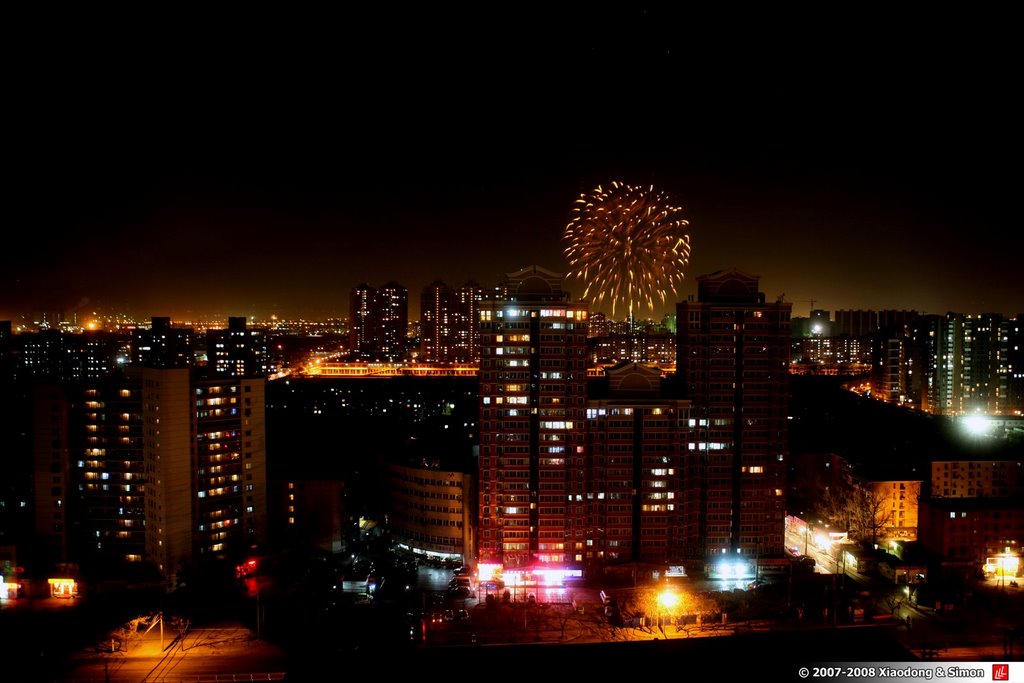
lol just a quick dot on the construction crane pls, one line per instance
(782, 297)
(808, 301)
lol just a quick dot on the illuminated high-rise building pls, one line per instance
(448, 323)
(163, 345)
(393, 321)
(638, 504)
(237, 351)
(106, 452)
(379, 320)
(890, 379)
(204, 450)
(436, 323)
(970, 364)
(363, 322)
(55, 355)
(733, 352)
(1014, 367)
(162, 462)
(465, 329)
(532, 408)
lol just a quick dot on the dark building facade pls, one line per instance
(732, 357)
(641, 506)
(237, 350)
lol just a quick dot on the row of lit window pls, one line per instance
(515, 400)
(217, 389)
(572, 314)
(510, 350)
(602, 412)
(124, 488)
(219, 491)
(127, 476)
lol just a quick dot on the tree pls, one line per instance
(870, 512)
(669, 606)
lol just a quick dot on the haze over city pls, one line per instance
(268, 172)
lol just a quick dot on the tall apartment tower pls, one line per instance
(237, 351)
(732, 356)
(974, 364)
(393, 318)
(982, 348)
(466, 331)
(448, 323)
(65, 356)
(204, 452)
(163, 346)
(925, 359)
(890, 377)
(641, 503)
(436, 323)
(160, 462)
(88, 467)
(52, 482)
(1015, 361)
(379, 318)
(362, 322)
(106, 457)
(532, 407)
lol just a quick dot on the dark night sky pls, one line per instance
(249, 165)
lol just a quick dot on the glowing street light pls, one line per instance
(977, 425)
(1008, 562)
(668, 602)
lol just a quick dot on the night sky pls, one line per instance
(203, 167)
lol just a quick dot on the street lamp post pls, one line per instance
(667, 601)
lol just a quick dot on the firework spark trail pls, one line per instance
(627, 244)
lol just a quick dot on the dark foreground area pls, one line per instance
(773, 656)
(49, 647)
(60, 646)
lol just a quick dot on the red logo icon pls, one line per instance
(1000, 672)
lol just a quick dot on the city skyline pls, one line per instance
(199, 184)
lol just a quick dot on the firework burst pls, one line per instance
(627, 244)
